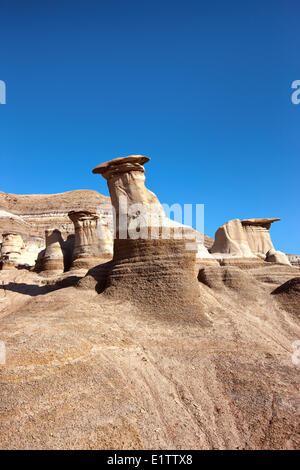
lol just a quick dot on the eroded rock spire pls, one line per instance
(11, 250)
(151, 260)
(52, 260)
(92, 243)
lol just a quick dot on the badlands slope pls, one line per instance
(155, 349)
(97, 371)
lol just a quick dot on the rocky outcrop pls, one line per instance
(40, 212)
(238, 240)
(288, 295)
(11, 250)
(153, 257)
(52, 261)
(93, 242)
(294, 260)
(258, 236)
(231, 241)
(30, 215)
(274, 256)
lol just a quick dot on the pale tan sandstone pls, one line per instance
(258, 236)
(231, 241)
(92, 246)
(30, 215)
(52, 261)
(238, 240)
(11, 250)
(274, 256)
(152, 255)
(40, 212)
(126, 178)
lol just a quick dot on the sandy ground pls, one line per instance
(93, 371)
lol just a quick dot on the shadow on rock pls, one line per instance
(34, 290)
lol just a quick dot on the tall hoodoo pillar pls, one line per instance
(91, 245)
(12, 246)
(53, 258)
(150, 260)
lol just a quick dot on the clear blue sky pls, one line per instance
(201, 87)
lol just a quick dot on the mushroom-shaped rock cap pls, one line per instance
(112, 164)
(82, 213)
(258, 221)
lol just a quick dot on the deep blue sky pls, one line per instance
(201, 87)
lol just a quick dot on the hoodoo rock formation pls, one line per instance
(231, 240)
(52, 261)
(11, 250)
(30, 215)
(162, 346)
(153, 257)
(245, 239)
(258, 235)
(90, 247)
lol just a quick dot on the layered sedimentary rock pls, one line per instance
(92, 244)
(288, 295)
(39, 212)
(152, 255)
(53, 258)
(294, 260)
(11, 250)
(249, 239)
(101, 373)
(30, 215)
(258, 236)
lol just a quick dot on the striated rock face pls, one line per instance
(258, 236)
(30, 215)
(288, 295)
(40, 212)
(91, 246)
(249, 238)
(11, 250)
(150, 260)
(53, 258)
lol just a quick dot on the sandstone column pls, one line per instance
(148, 264)
(52, 261)
(91, 245)
(12, 246)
